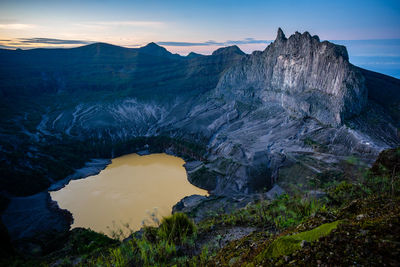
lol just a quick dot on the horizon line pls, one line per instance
(54, 43)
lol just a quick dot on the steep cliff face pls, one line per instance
(295, 110)
(305, 76)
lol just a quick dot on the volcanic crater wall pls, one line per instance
(300, 102)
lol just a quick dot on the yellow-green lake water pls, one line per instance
(126, 192)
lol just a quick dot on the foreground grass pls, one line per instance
(357, 223)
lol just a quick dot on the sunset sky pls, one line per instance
(200, 26)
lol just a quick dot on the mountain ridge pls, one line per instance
(297, 76)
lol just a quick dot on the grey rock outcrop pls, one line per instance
(274, 192)
(305, 76)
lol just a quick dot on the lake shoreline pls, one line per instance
(57, 219)
(22, 223)
(93, 167)
(127, 191)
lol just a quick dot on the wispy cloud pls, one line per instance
(172, 43)
(127, 23)
(28, 43)
(52, 41)
(132, 23)
(248, 41)
(16, 26)
(215, 43)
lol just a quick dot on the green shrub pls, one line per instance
(177, 228)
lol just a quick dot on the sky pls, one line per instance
(201, 26)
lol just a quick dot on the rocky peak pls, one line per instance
(229, 50)
(280, 37)
(153, 46)
(308, 78)
(193, 55)
(155, 49)
(304, 40)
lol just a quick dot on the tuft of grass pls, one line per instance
(156, 246)
(281, 213)
(177, 228)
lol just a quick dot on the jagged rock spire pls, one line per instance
(280, 36)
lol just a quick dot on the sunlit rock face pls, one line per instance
(296, 109)
(305, 76)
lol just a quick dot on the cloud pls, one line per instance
(212, 42)
(132, 23)
(6, 47)
(16, 26)
(12, 44)
(189, 43)
(248, 41)
(51, 41)
(7, 21)
(28, 43)
(128, 23)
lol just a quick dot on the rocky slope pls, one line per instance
(296, 110)
(255, 113)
